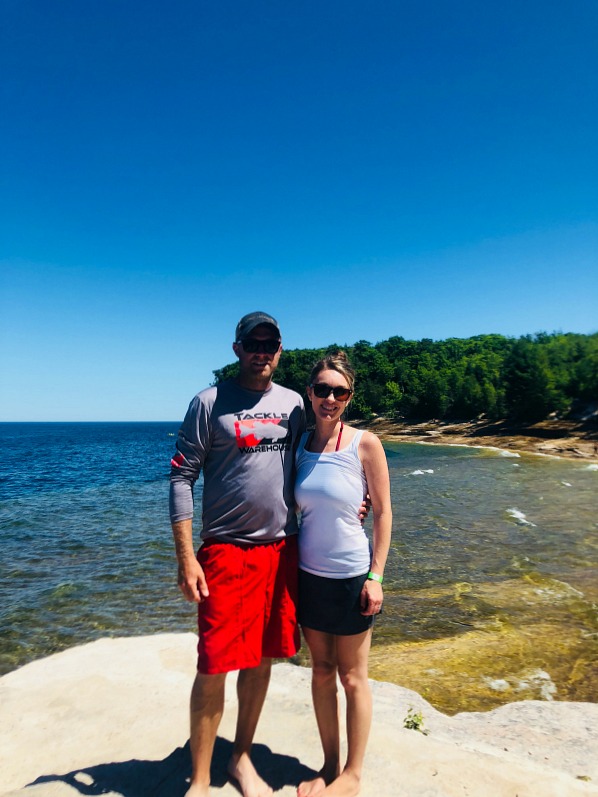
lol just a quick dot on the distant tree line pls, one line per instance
(524, 379)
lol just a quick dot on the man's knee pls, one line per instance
(207, 690)
(259, 673)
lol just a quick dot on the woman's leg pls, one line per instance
(352, 658)
(322, 648)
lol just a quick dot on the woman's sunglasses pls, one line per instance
(322, 390)
(252, 345)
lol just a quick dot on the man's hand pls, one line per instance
(364, 509)
(191, 578)
(192, 581)
(371, 597)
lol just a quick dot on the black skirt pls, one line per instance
(332, 605)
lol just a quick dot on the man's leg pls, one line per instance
(322, 648)
(207, 705)
(252, 685)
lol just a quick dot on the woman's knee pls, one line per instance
(323, 671)
(353, 680)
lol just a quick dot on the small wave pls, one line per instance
(593, 466)
(420, 472)
(541, 681)
(566, 484)
(520, 517)
(497, 684)
(502, 452)
(538, 682)
(521, 562)
(554, 588)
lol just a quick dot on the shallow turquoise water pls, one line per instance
(87, 551)
(481, 515)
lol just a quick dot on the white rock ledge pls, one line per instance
(110, 718)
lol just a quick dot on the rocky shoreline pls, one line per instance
(559, 438)
(111, 717)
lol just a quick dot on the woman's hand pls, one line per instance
(371, 597)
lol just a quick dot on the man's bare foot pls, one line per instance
(311, 788)
(346, 785)
(198, 790)
(242, 770)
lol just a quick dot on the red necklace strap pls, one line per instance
(338, 441)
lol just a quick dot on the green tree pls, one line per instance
(529, 386)
(525, 378)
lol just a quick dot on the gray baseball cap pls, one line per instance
(252, 320)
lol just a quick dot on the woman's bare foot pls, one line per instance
(242, 770)
(311, 788)
(197, 790)
(346, 785)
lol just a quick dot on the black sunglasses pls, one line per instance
(322, 390)
(252, 345)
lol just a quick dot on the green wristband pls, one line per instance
(375, 577)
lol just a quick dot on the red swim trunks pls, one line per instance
(251, 611)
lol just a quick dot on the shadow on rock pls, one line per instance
(169, 777)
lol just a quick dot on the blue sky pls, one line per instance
(424, 169)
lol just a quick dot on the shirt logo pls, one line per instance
(262, 435)
(177, 460)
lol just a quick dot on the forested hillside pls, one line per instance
(525, 378)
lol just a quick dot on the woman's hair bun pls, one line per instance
(335, 361)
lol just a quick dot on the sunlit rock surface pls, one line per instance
(110, 717)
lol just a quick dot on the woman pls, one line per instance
(340, 578)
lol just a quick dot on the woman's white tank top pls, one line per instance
(329, 489)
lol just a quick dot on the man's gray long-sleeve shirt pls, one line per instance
(245, 442)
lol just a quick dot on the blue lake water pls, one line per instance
(483, 545)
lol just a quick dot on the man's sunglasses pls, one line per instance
(252, 345)
(322, 390)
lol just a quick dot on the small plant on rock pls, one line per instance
(414, 721)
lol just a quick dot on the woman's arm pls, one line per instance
(375, 467)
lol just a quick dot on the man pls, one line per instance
(243, 433)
